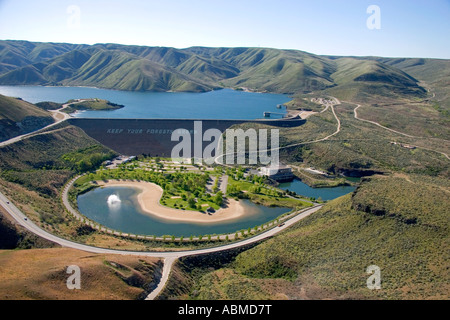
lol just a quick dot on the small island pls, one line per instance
(94, 104)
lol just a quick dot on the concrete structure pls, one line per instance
(126, 160)
(267, 114)
(278, 173)
(153, 136)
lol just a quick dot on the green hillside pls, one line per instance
(357, 78)
(17, 109)
(433, 72)
(140, 68)
(429, 70)
(396, 219)
(111, 69)
(287, 72)
(208, 69)
(14, 54)
(19, 117)
(398, 223)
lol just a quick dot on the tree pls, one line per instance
(256, 189)
(192, 203)
(233, 190)
(218, 198)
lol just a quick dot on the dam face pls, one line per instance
(153, 136)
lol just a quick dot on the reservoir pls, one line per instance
(220, 104)
(324, 193)
(126, 215)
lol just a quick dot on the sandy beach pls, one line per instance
(150, 196)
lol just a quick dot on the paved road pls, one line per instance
(223, 184)
(219, 159)
(355, 114)
(169, 257)
(59, 117)
(168, 263)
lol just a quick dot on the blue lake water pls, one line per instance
(325, 193)
(219, 104)
(127, 216)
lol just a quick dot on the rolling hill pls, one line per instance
(19, 117)
(14, 54)
(397, 220)
(110, 69)
(199, 69)
(326, 256)
(42, 275)
(434, 72)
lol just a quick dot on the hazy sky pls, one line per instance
(407, 28)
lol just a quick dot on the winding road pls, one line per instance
(59, 117)
(169, 258)
(326, 105)
(355, 114)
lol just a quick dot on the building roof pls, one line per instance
(278, 166)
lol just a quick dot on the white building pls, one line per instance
(278, 172)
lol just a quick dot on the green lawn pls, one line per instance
(261, 193)
(182, 190)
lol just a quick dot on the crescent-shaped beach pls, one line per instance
(149, 200)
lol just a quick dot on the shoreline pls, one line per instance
(149, 201)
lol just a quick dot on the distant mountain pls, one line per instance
(435, 72)
(199, 69)
(19, 117)
(15, 54)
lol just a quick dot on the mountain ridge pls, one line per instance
(199, 69)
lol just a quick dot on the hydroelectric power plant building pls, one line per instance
(279, 173)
